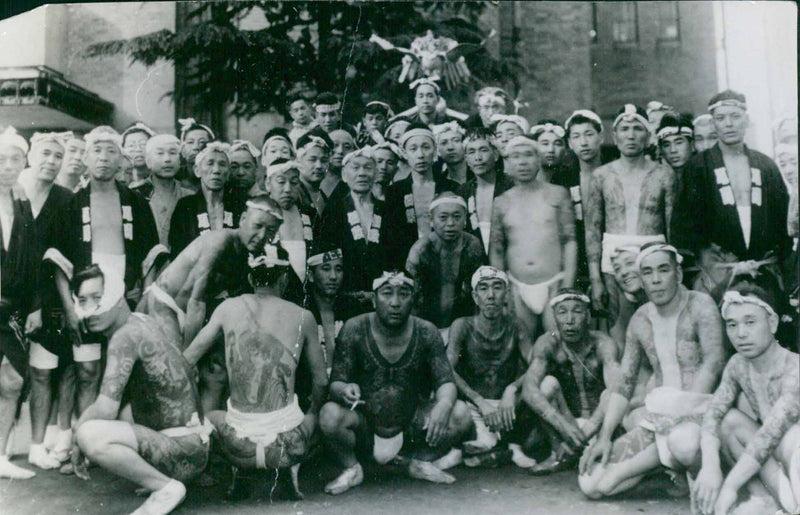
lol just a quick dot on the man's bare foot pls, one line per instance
(519, 457)
(427, 471)
(164, 500)
(11, 471)
(450, 460)
(348, 479)
(62, 445)
(39, 457)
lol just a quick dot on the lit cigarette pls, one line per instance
(356, 403)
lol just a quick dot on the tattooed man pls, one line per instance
(265, 337)
(630, 202)
(165, 444)
(677, 334)
(764, 450)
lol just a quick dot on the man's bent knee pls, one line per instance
(40, 376)
(330, 418)
(92, 437)
(460, 417)
(684, 444)
(588, 485)
(10, 382)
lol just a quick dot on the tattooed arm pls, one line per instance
(497, 236)
(569, 247)
(594, 237)
(627, 376)
(208, 335)
(608, 353)
(315, 361)
(195, 289)
(669, 199)
(709, 332)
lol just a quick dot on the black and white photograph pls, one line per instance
(346, 257)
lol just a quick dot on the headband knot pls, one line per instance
(214, 146)
(103, 133)
(48, 137)
(487, 272)
(673, 130)
(188, 124)
(279, 168)
(266, 209)
(447, 199)
(443, 128)
(517, 120)
(241, 144)
(657, 247)
(366, 151)
(586, 113)
(393, 279)
(569, 295)
(630, 113)
(538, 130)
(732, 297)
(426, 81)
(388, 145)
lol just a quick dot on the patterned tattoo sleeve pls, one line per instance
(631, 358)
(122, 355)
(497, 237)
(784, 414)
(566, 217)
(669, 199)
(724, 397)
(441, 371)
(344, 354)
(594, 219)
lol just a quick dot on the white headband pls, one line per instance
(449, 199)
(569, 296)
(313, 141)
(429, 81)
(276, 169)
(189, 124)
(103, 133)
(113, 291)
(591, 115)
(731, 102)
(703, 118)
(521, 140)
(240, 144)
(673, 130)
(324, 257)
(139, 127)
(629, 114)
(419, 131)
(267, 209)
(662, 247)
(487, 272)
(47, 137)
(389, 112)
(443, 128)
(270, 140)
(734, 297)
(393, 279)
(548, 127)
(517, 120)
(214, 146)
(655, 105)
(327, 108)
(161, 139)
(388, 145)
(269, 259)
(367, 152)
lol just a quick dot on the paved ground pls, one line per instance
(485, 492)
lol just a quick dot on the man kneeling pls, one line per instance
(264, 339)
(765, 447)
(166, 444)
(385, 366)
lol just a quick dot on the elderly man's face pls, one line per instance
(12, 162)
(731, 124)
(787, 163)
(359, 174)
(451, 147)
(677, 150)
(342, 145)
(45, 159)
(572, 320)
(661, 277)
(552, 148)
(125, 173)
(164, 160)
(213, 170)
(426, 98)
(448, 220)
(488, 106)
(103, 160)
(73, 158)
(749, 329)
(506, 131)
(705, 136)
(243, 169)
(490, 297)
(585, 141)
(276, 148)
(256, 228)
(195, 141)
(385, 166)
(393, 304)
(420, 152)
(284, 188)
(631, 137)
(481, 156)
(315, 165)
(134, 146)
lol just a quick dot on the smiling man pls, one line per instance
(72, 167)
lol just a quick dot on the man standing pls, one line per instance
(677, 335)
(450, 142)
(166, 444)
(194, 138)
(675, 142)
(72, 167)
(313, 153)
(244, 168)
(552, 145)
(488, 101)
(134, 143)
(328, 112)
(386, 367)
(705, 133)
(630, 203)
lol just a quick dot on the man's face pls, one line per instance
(661, 277)
(213, 170)
(506, 131)
(327, 277)
(277, 148)
(451, 147)
(135, 144)
(787, 163)
(46, 160)
(552, 148)
(731, 124)
(481, 156)
(359, 174)
(488, 106)
(705, 136)
(164, 160)
(342, 145)
(448, 221)
(284, 188)
(73, 158)
(749, 329)
(103, 160)
(89, 296)
(329, 120)
(125, 173)
(385, 166)
(523, 163)
(420, 151)
(301, 112)
(490, 297)
(257, 228)
(375, 122)
(626, 273)
(195, 141)
(631, 137)
(12, 162)
(426, 98)
(585, 141)
(572, 320)
(677, 150)
(243, 169)
(397, 130)
(393, 304)
(315, 165)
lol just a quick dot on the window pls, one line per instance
(668, 26)
(625, 28)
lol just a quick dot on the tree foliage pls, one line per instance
(316, 46)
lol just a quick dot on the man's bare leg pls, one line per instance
(66, 409)
(40, 405)
(551, 389)
(530, 322)
(88, 383)
(10, 389)
(632, 456)
(338, 427)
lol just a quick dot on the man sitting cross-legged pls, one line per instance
(570, 369)
(765, 451)
(265, 336)
(677, 334)
(165, 444)
(487, 353)
(385, 367)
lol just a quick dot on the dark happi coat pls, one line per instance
(295, 291)
(468, 191)
(190, 219)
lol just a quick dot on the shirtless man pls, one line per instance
(165, 444)
(134, 143)
(564, 385)
(162, 189)
(488, 355)
(265, 337)
(705, 133)
(533, 236)
(677, 335)
(72, 167)
(450, 143)
(629, 282)
(551, 138)
(630, 203)
(443, 262)
(764, 450)
(386, 366)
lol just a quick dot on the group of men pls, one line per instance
(421, 290)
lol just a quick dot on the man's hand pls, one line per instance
(600, 450)
(351, 394)
(489, 413)
(706, 489)
(437, 423)
(34, 322)
(507, 411)
(79, 462)
(598, 295)
(727, 496)
(574, 436)
(74, 325)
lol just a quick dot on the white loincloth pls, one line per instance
(297, 256)
(193, 427)
(611, 241)
(789, 482)
(385, 450)
(263, 428)
(485, 438)
(535, 296)
(672, 403)
(114, 262)
(160, 295)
